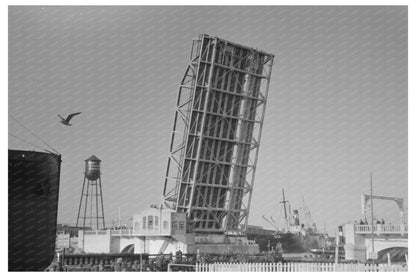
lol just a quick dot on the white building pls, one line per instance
(161, 231)
(154, 231)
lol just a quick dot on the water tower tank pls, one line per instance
(92, 168)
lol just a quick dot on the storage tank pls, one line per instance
(92, 168)
(33, 209)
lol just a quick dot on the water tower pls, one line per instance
(91, 208)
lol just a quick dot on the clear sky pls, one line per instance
(337, 106)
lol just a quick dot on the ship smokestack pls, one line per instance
(296, 217)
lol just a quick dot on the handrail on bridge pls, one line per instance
(381, 229)
(125, 232)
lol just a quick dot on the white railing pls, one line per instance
(95, 232)
(121, 232)
(297, 267)
(125, 233)
(381, 229)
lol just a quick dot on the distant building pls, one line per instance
(68, 229)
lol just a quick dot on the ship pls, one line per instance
(296, 237)
(300, 241)
(299, 237)
(33, 204)
(265, 238)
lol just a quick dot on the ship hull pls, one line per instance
(297, 243)
(33, 202)
(290, 242)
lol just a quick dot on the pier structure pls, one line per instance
(365, 241)
(216, 135)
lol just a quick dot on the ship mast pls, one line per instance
(306, 214)
(284, 207)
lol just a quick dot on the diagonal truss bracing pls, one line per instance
(216, 135)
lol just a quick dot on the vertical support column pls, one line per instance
(181, 124)
(80, 201)
(268, 77)
(86, 204)
(81, 239)
(239, 154)
(201, 134)
(102, 204)
(96, 202)
(364, 207)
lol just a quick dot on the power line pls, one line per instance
(19, 138)
(33, 133)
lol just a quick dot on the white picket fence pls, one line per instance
(297, 267)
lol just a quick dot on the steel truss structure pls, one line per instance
(216, 135)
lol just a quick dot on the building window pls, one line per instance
(136, 226)
(150, 222)
(144, 223)
(181, 225)
(156, 222)
(174, 225)
(165, 225)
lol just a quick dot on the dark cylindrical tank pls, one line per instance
(92, 168)
(33, 208)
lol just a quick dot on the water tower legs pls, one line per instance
(91, 206)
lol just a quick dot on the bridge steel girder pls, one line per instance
(216, 135)
(365, 198)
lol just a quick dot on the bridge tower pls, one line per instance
(91, 207)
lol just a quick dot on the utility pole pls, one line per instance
(372, 217)
(336, 247)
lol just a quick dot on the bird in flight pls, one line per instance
(65, 121)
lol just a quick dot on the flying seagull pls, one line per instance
(69, 117)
